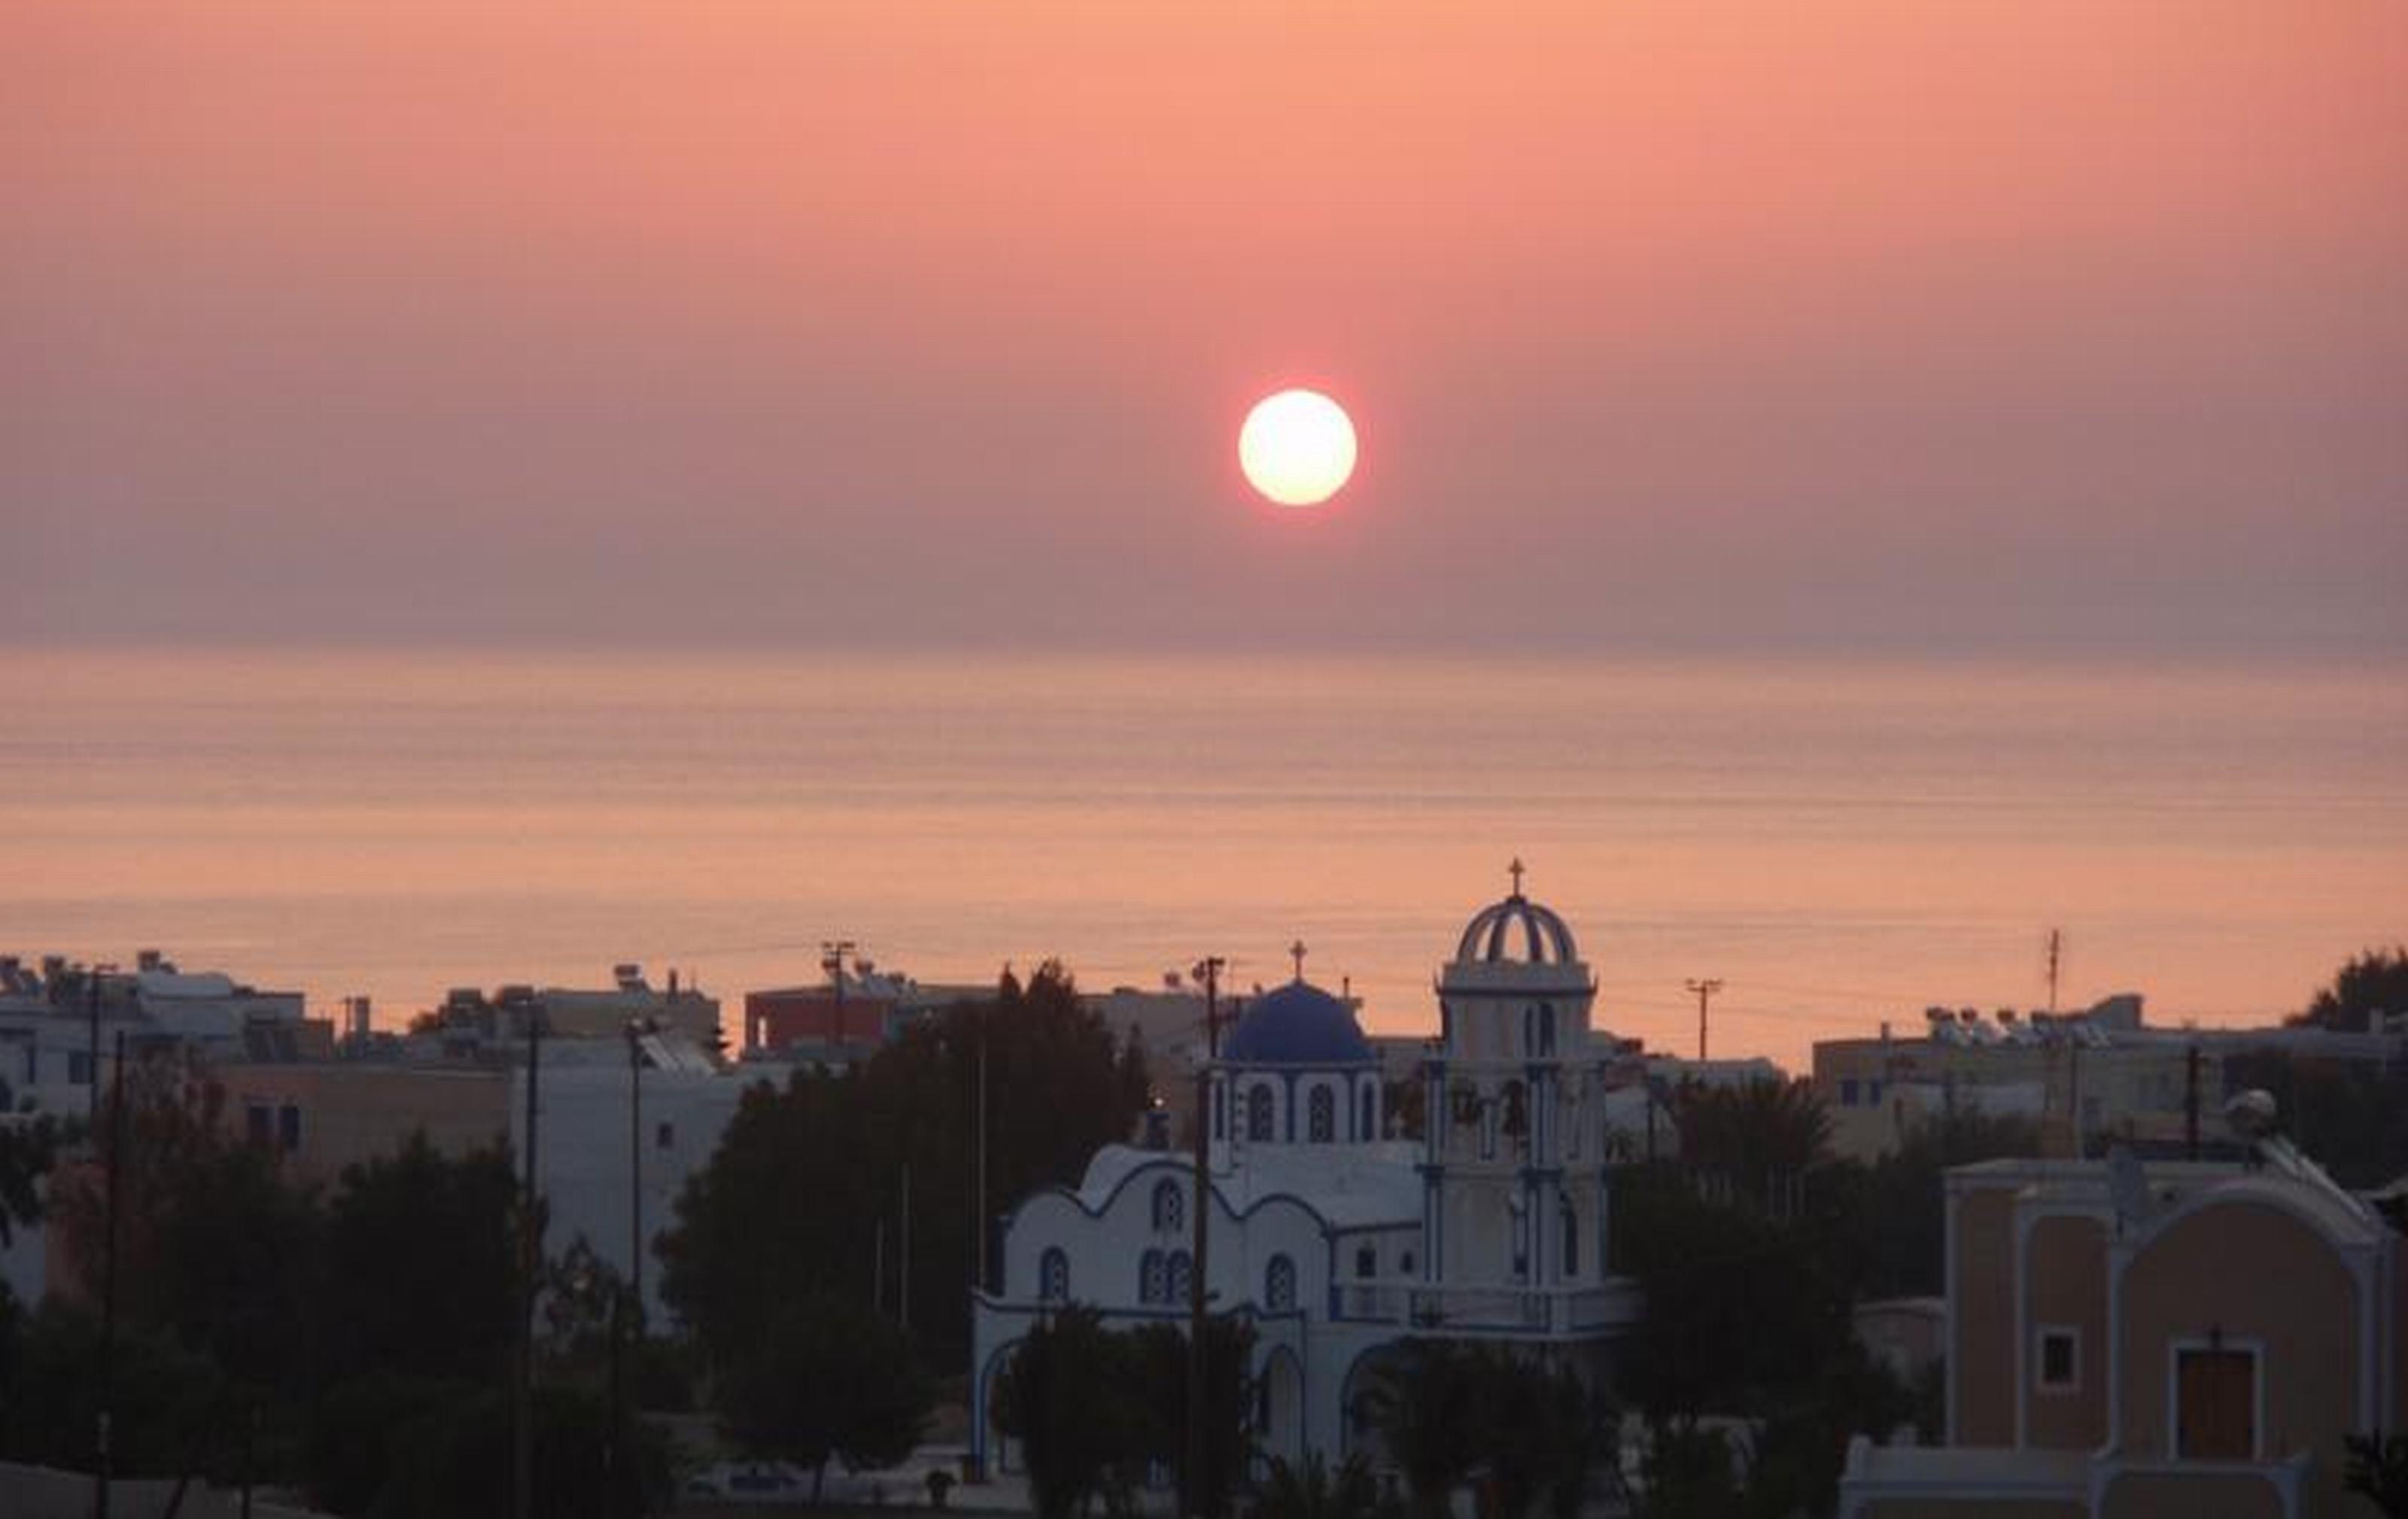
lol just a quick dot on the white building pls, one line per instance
(1334, 1243)
(610, 1140)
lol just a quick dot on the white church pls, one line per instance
(1332, 1241)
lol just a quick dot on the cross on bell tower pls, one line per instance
(1295, 952)
(1515, 870)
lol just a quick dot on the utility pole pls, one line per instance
(1705, 991)
(627, 1304)
(103, 1466)
(832, 953)
(91, 980)
(1192, 1475)
(978, 1182)
(2190, 1102)
(530, 1261)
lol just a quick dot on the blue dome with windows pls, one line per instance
(1297, 1025)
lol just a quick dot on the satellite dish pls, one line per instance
(2251, 1113)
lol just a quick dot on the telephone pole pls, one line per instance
(1192, 1476)
(530, 1264)
(1705, 991)
(832, 953)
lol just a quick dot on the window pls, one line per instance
(1546, 1028)
(664, 1137)
(2060, 1360)
(79, 1068)
(1569, 1224)
(1848, 1091)
(1170, 1205)
(1153, 1279)
(2216, 1404)
(259, 1124)
(288, 1126)
(1258, 1114)
(1054, 1277)
(1366, 1262)
(1872, 1093)
(1405, 1262)
(1183, 1275)
(1321, 1116)
(1279, 1285)
(1368, 1127)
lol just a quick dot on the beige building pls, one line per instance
(2100, 1069)
(2125, 1342)
(324, 1116)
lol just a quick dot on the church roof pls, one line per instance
(1517, 930)
(1297, 1025)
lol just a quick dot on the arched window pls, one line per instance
(1183, 1275)
(1571, 1240)
(1367, 1129)
(1546, 1028)
(1258, 1114)
(1279, 1285)
(1170, 1205)
(1054, 1277)
(1321, 1116)
(1152, 1280)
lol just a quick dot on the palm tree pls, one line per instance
(1753, 1144)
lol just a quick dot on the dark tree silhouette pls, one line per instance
(824, 1382)
(2370, 984)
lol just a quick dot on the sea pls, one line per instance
(1840, 844)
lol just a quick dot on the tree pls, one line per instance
(2378, 1468)
(412, 1322)
(421, 1275)
(806, 1176)
(1312, 1491)
(1065, 1396)
(1540, 1437)
(1754, 1143)
(1890, 1217)
(213, 1248)
(2368, 985)
(169, 1413)
(824, 1382)
(1161, 1363)
(28, 1147)
(1427, 1406)
(1740, 1308)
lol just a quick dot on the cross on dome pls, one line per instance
(1515, 870)
(1295, 952)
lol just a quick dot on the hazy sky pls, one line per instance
(2070, 324)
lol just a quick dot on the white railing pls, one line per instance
(1486, 1307)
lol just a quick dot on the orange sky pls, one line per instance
(2017, 323)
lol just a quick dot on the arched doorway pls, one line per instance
(1283, 1407)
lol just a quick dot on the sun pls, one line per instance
(1298, 447)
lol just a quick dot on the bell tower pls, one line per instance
(1513, 1160)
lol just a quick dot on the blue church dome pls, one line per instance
(1297, 1025)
